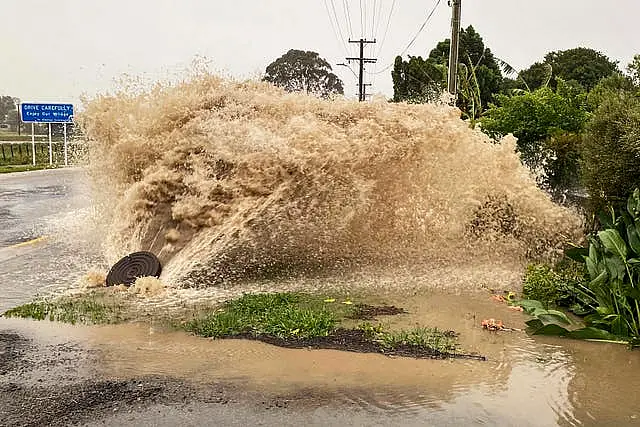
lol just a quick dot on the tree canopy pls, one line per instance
(418, 79)
(581, 65)
(304, 71)
(6, 106)
(546, 123)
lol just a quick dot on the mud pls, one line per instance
(354, 340)
(370, 312)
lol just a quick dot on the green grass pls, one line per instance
(70, 310)
(282, 315)
(420, 337)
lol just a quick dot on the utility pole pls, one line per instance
(453, 50)
(362, 93)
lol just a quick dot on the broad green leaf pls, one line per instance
(552, 319)
(619, 326)
(613, 242)
(599, 280)
(633, 203)
(632, 292)
(530, 305)
(591, 268)
(577, 254)
(591, 333)
(605, 219)
(634, 238)
(550, 329)
(615, 267)
(593, 252)
(561, 316)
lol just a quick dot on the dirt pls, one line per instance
(12, 349)
(355, 340)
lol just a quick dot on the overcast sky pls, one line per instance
(56, 50)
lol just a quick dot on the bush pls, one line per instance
(543, 284)
(611, 151)
(557, 285)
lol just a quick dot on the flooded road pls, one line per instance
(95, 375)
(524, 382)
(45, 232)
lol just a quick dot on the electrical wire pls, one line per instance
(347, 14)
(333, 6)
(377, 23)
(384, 37)
(424, 24)
(333, 26)
(361, 20)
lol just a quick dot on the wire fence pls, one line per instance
(21, 153)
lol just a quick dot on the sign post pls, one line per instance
(66, 158)
(47, 113)
(33, 144)
(50, 147)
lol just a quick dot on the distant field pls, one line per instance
(13, 136)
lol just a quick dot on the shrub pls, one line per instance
(543, 284)
(611, 150)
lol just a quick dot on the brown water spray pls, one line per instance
(229, 180)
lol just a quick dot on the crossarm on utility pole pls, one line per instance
(362, 60)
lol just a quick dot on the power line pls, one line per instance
(424, 24)
(361, 20)
(333, 26)
(376, 24)
(384, 37)
(347, 14)
(333, 6)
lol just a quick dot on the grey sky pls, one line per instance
(55, 50)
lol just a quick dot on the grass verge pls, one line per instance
(24, 168)
(293, 320)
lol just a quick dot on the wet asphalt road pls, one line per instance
(29, 201)
(44, 238)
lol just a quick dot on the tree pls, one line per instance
(536, 76)
(474, 56)
(300, 71)
(582, 65)
(611, 152)
(634, 70)
(6, 105)
(417, 80)
(480, 76)
(547, 124)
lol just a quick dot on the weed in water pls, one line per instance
(419, 337)
(69, 310)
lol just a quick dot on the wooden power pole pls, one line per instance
(453, 49)
(362, 93)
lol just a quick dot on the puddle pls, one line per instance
(544, 381)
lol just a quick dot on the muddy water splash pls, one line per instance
(227, 179)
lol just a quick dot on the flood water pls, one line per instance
(525, 381)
